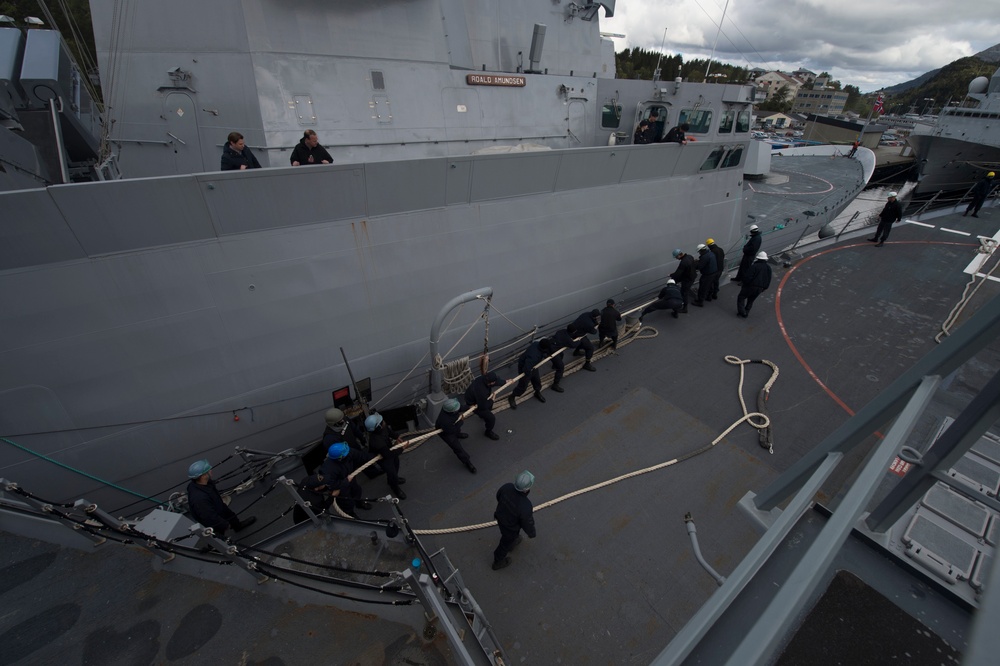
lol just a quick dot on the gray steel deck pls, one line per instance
(611, 577)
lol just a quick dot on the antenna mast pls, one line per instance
(656, 72)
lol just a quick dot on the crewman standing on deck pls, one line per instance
(756, 280)
(514, 513)
(720, 264)
(381, 439)
(206, 504)
(750, 250)
(684, 275)
(707, 270)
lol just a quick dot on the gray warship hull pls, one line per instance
(964, 143)
(177, 313)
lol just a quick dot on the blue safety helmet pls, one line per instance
(373, 422)
(338, 450)
(199, 468)
(678, 252)
(524, 481)
(451, 406)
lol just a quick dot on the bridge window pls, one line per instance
(726, 124)
(699, 120)
(743, 121)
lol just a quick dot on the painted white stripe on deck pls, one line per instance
(955, 231)
(922, 224)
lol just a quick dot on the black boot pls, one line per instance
(398, 492)
(539, 397)
(589, 366)
(557, 388)
(512, 401)
(472, 468)
(492, 435)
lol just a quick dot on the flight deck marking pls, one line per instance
(955, 231)
(781, 321)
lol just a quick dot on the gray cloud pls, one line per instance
(868, 44)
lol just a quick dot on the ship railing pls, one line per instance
(905, 402)
(431, 580)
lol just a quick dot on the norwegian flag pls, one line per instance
(878, 108)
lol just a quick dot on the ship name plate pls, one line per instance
(495, 80)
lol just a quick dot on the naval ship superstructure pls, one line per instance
(964, 144)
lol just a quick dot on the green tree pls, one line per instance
(779, 101)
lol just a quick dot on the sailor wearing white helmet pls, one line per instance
(750, 250)
(755, 281)
(892, 212)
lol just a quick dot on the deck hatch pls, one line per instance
(957, 509)
(940, 544)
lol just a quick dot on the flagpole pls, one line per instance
(878, 105)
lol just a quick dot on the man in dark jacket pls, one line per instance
(892, 212)
(608, 328)
(646, 132)
(684, 275)
(669, 298)
(756, 280)
(531, 357)
(341, 461)
(236, 156)
(582, 326)
(381, 439)
(514, 513)
(562, 339)
(308, 151)
(206, 504)
(979, 192)
(480, 394)
(707, 270)
(750, 250)
(449, 421)
(720, 265)
(677, 134)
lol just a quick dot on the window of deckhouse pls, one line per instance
(733, 157)
(611, 116)
(699, 120)
(712, 161)
(726, 124)
(743, 121)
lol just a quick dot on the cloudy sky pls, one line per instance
(866, 43)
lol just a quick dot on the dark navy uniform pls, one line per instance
(669, 298)
(684, 275)
(750, 250)
(756, 280)
(720, 266)
(514, 513)
(707, 269)
(207, 507)
(336, 473)
(608, 327)
(478, 395)
(451, 430)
